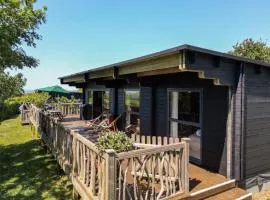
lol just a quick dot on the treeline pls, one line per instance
(10, 107)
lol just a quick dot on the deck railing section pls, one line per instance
(24, 116)
(68, 108)
(154, 171)
(89, 168)
(151, 171)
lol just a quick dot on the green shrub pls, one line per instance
(64, 99)
(10, 107)
(118, 141)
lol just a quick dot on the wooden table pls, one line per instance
(56, 114)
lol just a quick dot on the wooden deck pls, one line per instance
(199, 178)
(231, 194)
(73, 122)
(71, 142)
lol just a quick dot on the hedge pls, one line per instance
(10, 107)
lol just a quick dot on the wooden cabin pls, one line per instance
(220, 101)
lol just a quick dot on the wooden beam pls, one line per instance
(77, 78)
(229, 135)
(151, 65)
(159, 72)
(101, 73)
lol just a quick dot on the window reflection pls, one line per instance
(106, 101)
(184, 108)
(132, 106)
(90, 97)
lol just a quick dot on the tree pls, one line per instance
(11, 85)
(19, 22)
(249, 48)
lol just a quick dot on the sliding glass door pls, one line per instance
(185, 117)
(99, 101)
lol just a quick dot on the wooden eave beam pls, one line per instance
(101, 74)
(150, 65)
(184, 66)
(77, 78)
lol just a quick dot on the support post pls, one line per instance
(229, 135)
(186, 164)
(110, 175)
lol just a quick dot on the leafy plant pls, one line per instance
(64, 99)
(253, 49)
(19, 24)
(118, 141)
(11, 106)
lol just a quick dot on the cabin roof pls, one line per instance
(170, 52)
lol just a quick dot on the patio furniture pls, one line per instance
(56, 114)
(96, 120)
(106, 124)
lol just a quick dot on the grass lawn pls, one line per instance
(26, 170)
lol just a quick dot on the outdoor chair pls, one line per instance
(96, 120)
(107, 124)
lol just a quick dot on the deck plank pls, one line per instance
(201, 178)
(231, 194)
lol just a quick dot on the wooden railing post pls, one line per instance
(186, 164)
(110, 177)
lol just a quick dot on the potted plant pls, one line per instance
(116, 140)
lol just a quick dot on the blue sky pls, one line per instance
(83, 34)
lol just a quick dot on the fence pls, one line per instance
(24, 116)
(68, 108)
(157, 170)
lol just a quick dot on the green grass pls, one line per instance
(26, 170)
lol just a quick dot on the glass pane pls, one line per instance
(187, 130)
(90, 97)
(189, 106)
(174, 129)
(132, 106)
(132, 100)
(106, 101)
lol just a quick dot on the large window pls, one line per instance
(185, 112)
(132, 106)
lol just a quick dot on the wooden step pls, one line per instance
(232, 194)
(210, 191)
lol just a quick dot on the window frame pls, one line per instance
(188, 123)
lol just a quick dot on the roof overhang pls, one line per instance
(168, 61)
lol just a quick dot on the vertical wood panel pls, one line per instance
(146, 110)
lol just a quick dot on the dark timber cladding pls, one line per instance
(257, 135)
(235, 94)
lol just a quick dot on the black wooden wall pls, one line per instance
(146, 110)
(257, 125)
(215, 110)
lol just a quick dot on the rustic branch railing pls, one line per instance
(68, 108)
(24, 116)
(151, 171)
